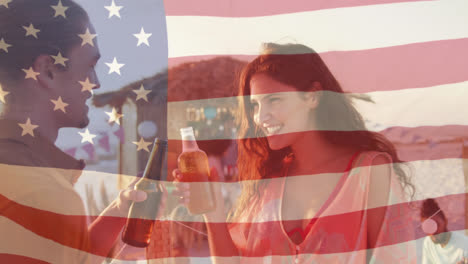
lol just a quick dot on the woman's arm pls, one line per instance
(219, 237)
(390, 219)
(221, 244)
(379, 190)
(222, 247)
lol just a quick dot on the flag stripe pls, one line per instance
(245, 8)
(18, 259)
(38, 242)
(416, 65)
(325, 30)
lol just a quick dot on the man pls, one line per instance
(441, 246)
(48, 51)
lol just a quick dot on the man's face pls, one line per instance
(80, 66)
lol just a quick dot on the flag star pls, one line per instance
(30, 73)
(142, 37)
(142, 144)
(4, 46)
(114, 116)
(114, 66)
(113, 10)
(59, 104)
(142, 93)
(31, 30)
(87, 86)
(59, 59)
(87, 137)
(60, 9)
(3, 93)
(27, 128)
(87, 38)
(5, 3)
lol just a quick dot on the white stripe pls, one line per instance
(431, 178)
(355, 28)
(433, 106)
(18, 240)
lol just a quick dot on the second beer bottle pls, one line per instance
(193, 164)
(141, 216)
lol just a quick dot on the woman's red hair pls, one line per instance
(338, 121)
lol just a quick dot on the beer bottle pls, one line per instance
(141, 215)
(193, 164)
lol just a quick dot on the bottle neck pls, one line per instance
(154, 169)
(189, 144)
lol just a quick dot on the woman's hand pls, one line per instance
(182, 190)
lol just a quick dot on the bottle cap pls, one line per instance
(187, 133)
(160, 142)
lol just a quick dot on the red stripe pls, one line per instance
(16, 259)
(400, 67)
(246, 8)
(403, 224)
(393, 68)
(68, 230)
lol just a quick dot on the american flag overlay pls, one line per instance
(327, 131)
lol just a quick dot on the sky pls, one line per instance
(115, 39)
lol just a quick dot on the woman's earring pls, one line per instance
(429, 226)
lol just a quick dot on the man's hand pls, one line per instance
(129, 195)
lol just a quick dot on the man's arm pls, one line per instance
(105, 230)
(47, 224)
(383, 235)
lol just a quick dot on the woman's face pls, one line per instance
(280, 110)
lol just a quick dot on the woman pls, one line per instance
(310, 171)
(47, 53)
